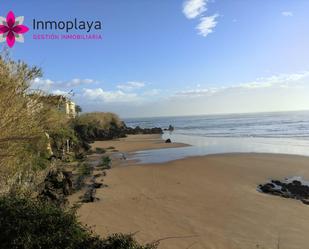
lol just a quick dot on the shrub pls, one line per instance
(102, 120)
(22, 139)
(98, 126)
(30, 224)
(81, 156)
(122, 241)
(84, 169)
(105, 162)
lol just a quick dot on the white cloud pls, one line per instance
(131, 85)
(287, 13)
(152, 92)
(194, 8)
(126, 92)
(206, 25)
(78, 82)
(198, 92)
(101, 95)
(277, 92)
(282, 80)
(47, 84)
(296, 80)
(44, 84)
(59, 92)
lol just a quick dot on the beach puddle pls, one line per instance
(200, 146)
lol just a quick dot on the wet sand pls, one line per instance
(137, 142)
(200, 202)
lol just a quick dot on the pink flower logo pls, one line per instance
(11, 29)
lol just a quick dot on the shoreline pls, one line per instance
(202, 201)
(140, 141)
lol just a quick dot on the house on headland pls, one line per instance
(70, 108)
(62, 103)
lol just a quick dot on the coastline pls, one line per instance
(133, 143)
(199, 202)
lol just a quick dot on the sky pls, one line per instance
(174, 57)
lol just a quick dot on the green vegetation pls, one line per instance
(98, 126)
(78, 109)
(36, 136)
(105, 162)
(84, 169)
(22, 137)
(29, 224)
(102, 120)
(34, 128)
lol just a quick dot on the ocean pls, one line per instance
(276, 132)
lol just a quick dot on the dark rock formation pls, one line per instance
(294, 189)
(168, 141)
(139, 130)
(98, 175)
(170, 128)
(89, 133)
(97, 184)
(78, 182)
(56, 186)
(89, 195)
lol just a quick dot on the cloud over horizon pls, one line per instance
(50, 85)
(100, 95)
(276, 92)
(131, 85)
(295, 80)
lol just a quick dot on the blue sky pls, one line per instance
(247, 56)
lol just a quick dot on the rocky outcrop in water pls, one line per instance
(139, 130)
(90, 135)
(170, 128)
(295, 189)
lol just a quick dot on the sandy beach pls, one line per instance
(199, 202)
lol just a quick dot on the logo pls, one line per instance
(12, 29)
(73, 29)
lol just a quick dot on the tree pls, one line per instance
(78, 109)
(22, 138)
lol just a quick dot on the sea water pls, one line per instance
(278, 132)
